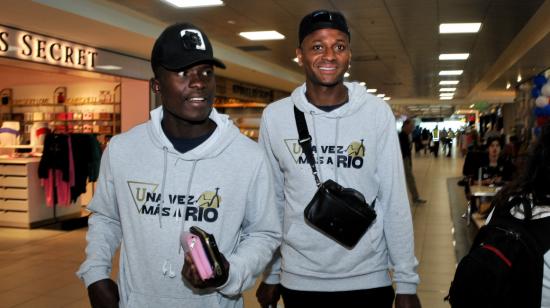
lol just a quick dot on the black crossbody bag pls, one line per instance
(339, 213)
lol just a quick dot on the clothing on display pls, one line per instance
(67, 163)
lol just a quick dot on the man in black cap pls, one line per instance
(187, 166)
(353, 141)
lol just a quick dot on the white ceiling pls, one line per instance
(395, 43)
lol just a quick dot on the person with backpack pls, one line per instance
(509, 262)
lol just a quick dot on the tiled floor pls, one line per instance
(37, 266)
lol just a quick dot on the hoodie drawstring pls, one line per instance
(187, 196)
(163, 186)
(336, 143)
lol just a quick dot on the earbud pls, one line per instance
(171, 273)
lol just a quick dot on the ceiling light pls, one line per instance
(346, 75)
(447, 89)
(262, 35)
(387, 98)
(295, 59)
(519, 78)
(381, 95)
(447, 95)
(454, 56)
(362, 83)
(460, 27)
(508, 85)
(446, 98)
(372, 90)
(194, 3)
(448, 82)
(472, 106)
(451, 73)
(108, 67)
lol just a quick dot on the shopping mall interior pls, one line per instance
(82, 67)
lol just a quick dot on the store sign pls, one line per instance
(24, 45)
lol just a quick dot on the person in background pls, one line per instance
(426, 140)
(417, 139)
(355, 144)
(435, 139)
(495, 169)
(404, 142)
(450, 137)
(492, 170)
(443, 139)
(187, 166)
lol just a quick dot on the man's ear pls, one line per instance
(155, 85)
(299, 56)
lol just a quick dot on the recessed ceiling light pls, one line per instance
(346, 75)
(108, 67)
(362, 83)
(446, 98)
(460, 27)
(472, 106)
(454, 56)
(447, 89)
(451, 73)
(381, 95)
(508, 85)
(231, 22)
(194, 3)
(450, 94)
(519, 78)
(372, 90)
(449, 82)
(387, 98)
(295, 59)
(262, 35)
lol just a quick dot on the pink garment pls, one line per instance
(62, 189)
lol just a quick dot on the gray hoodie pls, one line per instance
(356, 145)
(223, 186)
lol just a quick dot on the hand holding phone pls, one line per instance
(210, 264)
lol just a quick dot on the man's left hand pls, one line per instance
(407, 301)
(191, 274)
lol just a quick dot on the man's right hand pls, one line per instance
(103, 294)
(268, 295)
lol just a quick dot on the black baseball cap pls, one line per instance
(181, 46)
(322, 19)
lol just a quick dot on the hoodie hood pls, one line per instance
(224, 134)
(357, 97)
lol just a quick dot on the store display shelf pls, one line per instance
(240, 105)
(20, 146)
(38, 105)
(92, 120)
(92, 104)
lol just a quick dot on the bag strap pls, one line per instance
(304, 139)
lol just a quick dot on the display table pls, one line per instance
(484, 191)
(22, 200)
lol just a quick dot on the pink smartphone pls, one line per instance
(192, 244)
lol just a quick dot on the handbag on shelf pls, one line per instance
(340, 213)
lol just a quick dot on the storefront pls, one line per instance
(67, 89)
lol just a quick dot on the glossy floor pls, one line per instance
(37, 266)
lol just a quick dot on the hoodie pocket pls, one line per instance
(139, 300)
